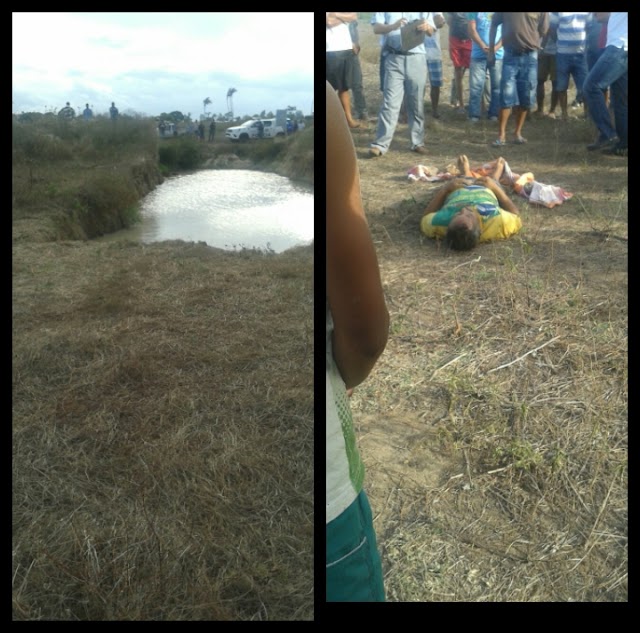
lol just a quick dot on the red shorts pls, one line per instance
(460, 52)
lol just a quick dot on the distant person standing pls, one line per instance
(67, 113)
(113, 111)
(212, 130)
(201, 130)
(87, 113)
(522, 34)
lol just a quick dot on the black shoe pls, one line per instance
(617, 150)
(604, 143)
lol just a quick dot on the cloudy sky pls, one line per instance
(159, 62)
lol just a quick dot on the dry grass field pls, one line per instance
(494, 427)
(162, 409)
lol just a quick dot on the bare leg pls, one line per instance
(554, 102)
(459, 72)
(540, 97)
(520, 114)
(498, 170)
(562, 100)
(345, 100)
(435, 100)
(503, 117)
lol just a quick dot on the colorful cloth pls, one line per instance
(524, 184)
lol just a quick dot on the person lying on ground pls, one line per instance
(469, 210)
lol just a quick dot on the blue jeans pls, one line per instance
(519, 79)
(574, 65)
(404, 76)
(477, 75)
(610, 70)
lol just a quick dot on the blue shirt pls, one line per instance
(483, 25)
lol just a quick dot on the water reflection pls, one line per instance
(227, 209)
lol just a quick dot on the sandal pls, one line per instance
(498, 143)
(520, 140)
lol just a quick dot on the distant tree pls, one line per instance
(206, 102)
(263, 114)
(176, 116)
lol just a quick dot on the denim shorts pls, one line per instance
(519, 79)
(353, 568)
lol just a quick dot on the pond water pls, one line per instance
(228, 209)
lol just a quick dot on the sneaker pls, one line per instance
(419, 149)
(474, 119)
(374, 152)
(493, 118)
(604, 143)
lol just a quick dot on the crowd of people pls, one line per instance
(68, 113)
(510, 57)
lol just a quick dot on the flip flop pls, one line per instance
(520, 141)
(498, 143)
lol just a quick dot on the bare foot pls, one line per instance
(463, 165)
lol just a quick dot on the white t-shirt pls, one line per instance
(617, 31)
(339, 38)
(344, 468)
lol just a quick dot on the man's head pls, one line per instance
(463, 232)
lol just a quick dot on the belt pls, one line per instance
(393, 51)
(516, 53)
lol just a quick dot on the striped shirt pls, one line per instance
(572, 31)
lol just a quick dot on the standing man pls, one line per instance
(340, 59)
(460, 53)
(522, 34)
(571, 57)
(434, 61)
(611, 70)
(212, 130)
(405, 75)
(479, 25)
(113, 111)
(87, 113)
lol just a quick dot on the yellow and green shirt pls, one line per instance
(495, 223)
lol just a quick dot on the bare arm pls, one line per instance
(473, 34)
(503, 199)
(441, 195)
(335, 18)
(383, 29)
(354, 287)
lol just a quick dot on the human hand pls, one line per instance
(425, 27)
(400, 23)
(349, 392)
(356, 48)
